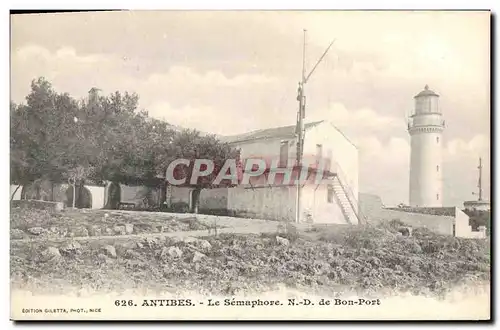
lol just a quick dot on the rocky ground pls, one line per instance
(28, 223)
(322, 260)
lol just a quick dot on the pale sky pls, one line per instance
(231, 72)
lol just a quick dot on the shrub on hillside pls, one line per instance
(179, 207)
(24, 218)
(365, 258)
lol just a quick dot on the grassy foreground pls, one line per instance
(326, 261)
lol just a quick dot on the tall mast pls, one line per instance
(479, 183)
(304, 57)
(300, 129)
(301, 114)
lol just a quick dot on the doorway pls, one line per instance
(83, 197)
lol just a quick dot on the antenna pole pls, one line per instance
(304, 58)
(479, 184)
(300, 130)
(319, 61)
(301, 114)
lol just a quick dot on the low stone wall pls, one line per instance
(437, 223)
(375, 212)
(442, 220)
(440, 211)
(477, 234)
(39, 205)
(214, 199)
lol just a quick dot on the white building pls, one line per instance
(425, 127)
(333, 201)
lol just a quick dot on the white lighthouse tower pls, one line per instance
(425, 126)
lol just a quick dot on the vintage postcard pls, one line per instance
(250, 165)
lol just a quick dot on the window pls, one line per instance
(319, 153)
(283, 154)
(329, 197)
(437, 168)
(437, 139)
(437, 196)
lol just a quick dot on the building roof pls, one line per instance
(426, 92)
(268, 133)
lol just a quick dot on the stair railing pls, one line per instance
(342, 179)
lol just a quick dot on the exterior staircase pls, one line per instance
(346, 200)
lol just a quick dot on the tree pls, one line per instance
(191, 145)
(126, 141)
(101, 138)
(77, 177)
(34, 126)
(50, 136)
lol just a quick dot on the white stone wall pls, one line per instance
(98, 193)
(214, 199)
(441, 224)
(58, 194)
(375, 213)
(266, 148)
(436, 223)
(314, 202)
(136, 194)
(345, 155)
(476, 234)
(270, 202)
(106, 192)
(274, 202)
(462, 227)
(180, 194)
(131, 194)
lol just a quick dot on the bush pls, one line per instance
(219, 212)
(396, 223)
(288, 230)
(194, 224)
(179, 207)
(24, 218)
